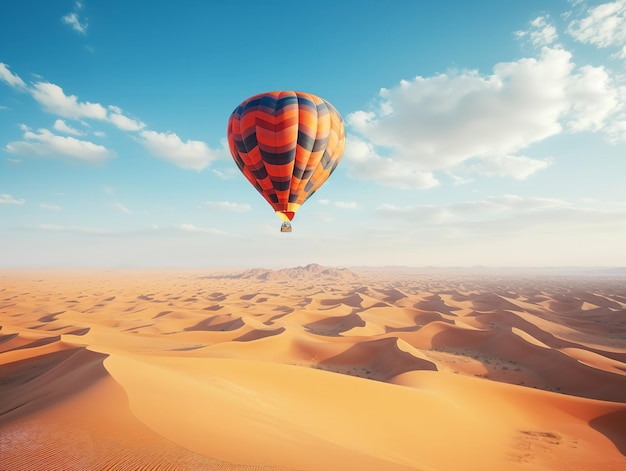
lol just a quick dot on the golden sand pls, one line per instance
(311, 369)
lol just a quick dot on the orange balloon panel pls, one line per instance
(286, 144)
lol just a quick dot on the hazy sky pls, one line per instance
(489, 132)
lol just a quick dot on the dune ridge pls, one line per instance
(311, 368)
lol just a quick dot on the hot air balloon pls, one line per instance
(286, 144)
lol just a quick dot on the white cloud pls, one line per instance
(604, 25)
(541, 32)
(63, 127)
(50, 207)
(120, 207)
(440, 122)
(363, 163)
(123, 122)
(54, 100)
(73, 19)
(190, 154)
(593, 97)
(43, 142)
(228, 206)
(10, 78)
(8, 199)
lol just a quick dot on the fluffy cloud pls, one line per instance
(73, 19)
(190, 154)
(541, 33)
(63, 127)
(440, 122)
(8, 199)
(10, 78)
(43, 142)
(592, 97)
(55, 101)
(228, 206)
(604, 25)
(364, 163)
(117, 118)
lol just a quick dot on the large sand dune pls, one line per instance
(311, 368)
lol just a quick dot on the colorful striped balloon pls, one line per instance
(286, 144)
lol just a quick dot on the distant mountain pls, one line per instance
(308, 272)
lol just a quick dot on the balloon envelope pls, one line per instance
(286, 144)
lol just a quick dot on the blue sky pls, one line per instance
(478, 133)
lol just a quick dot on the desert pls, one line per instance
(312, 368)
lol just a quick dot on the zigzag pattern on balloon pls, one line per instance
(286, 144)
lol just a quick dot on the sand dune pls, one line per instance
(311, 368)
